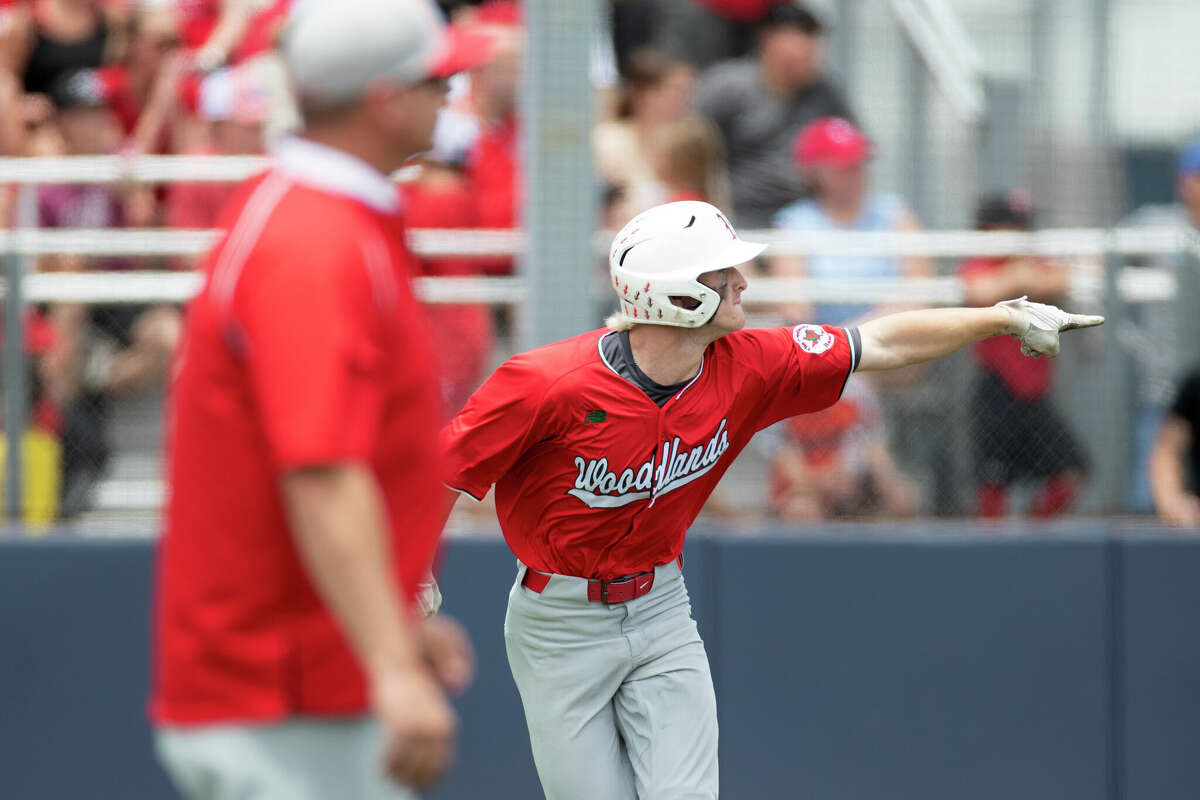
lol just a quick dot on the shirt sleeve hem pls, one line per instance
(313, 460)
(477, 496)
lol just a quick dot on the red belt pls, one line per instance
(618, 590)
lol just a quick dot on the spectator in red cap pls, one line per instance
(831, 156)
(759, 104)
(1018, 435)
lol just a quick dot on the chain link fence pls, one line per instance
(960, 98)
(957, 438)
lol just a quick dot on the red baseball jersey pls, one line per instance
(305, 347)
(593, 479)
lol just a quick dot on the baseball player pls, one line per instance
(290, 662)
(602, 450)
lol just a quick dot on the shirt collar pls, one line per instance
(337, 172)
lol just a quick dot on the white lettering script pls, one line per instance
(599, 487)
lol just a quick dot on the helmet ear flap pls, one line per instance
(654, 301)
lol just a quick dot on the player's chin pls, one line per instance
(731, 322)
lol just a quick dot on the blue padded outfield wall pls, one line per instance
(852, 663)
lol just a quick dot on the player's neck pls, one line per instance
(669, 355)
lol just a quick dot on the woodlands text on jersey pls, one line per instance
(593, 478)
(599, 487)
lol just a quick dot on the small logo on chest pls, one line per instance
(595, 416)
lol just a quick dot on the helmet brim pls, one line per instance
(736, 253)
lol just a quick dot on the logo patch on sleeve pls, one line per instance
(812, 338)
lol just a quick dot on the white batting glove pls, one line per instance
(429, 596)
(1038, 325)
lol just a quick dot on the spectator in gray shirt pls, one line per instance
(759, 104)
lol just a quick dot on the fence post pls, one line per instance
(1113, 466)
(917, 166)
(15, 370)
(1187, 295)
(560, 212)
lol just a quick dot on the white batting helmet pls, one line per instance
(660, 253)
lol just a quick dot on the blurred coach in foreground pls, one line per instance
(289, 661)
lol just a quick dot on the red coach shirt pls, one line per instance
(305, 347)
(592, 478)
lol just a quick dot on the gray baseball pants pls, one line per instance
(301, 758)
(618, 698)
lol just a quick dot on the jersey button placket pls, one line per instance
(658, 468)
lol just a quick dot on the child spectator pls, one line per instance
(689, 162)
(836, 464)
(1017, 433)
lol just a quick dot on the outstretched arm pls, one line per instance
(912, 337)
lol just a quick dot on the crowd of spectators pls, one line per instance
(103, 77)
(727, 101)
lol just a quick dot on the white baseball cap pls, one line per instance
(335, 49)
